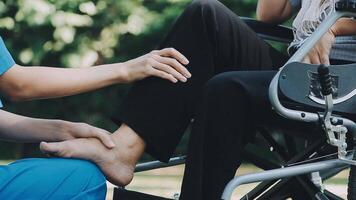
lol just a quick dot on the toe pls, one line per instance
(56, 148)
(48, 147)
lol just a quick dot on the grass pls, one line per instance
(166, 182)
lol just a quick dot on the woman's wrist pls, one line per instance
(334, 30)
(344, 27)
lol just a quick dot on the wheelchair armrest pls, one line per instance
(272, 32)
(346, 5)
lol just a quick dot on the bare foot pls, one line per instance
(117, 164)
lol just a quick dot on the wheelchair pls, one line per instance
(323, 98)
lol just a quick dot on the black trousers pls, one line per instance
(233, 104)
(215, 40)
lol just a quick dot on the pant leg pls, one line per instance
(215, 40)
(233, 103)
(53, 178)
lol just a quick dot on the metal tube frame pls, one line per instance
(295, 115)
(157, 164)
(280, 173)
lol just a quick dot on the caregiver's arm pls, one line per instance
(274, 11)
(26, 83)
(25, 129)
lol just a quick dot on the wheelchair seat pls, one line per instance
(299, 85)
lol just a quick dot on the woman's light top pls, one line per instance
(310, 15)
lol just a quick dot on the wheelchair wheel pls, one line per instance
(352, 181)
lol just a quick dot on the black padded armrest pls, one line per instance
(299, 83)
(270, 32)
(346, 5)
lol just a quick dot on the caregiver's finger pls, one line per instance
(172, 52)
(163, 75)
(174, 64)
(103, 136)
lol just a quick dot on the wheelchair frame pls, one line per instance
(298, 116)
(284, 35)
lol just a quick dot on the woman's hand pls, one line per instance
(166, 63)
(321, 51)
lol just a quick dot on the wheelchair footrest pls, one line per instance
(123, 194)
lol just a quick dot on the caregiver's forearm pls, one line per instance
(344, 27)
(274, 11)
(25, 129)
(27, 83)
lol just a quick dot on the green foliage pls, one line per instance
(81, 33)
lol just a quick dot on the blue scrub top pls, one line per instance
(6, 60)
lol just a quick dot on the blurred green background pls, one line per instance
(80, 33)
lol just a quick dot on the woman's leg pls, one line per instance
(52, 178)
(233, 102)
(215, 40)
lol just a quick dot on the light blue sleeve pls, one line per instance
(6, 60)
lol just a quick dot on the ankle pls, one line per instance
(129, 145)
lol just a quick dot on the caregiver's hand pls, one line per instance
(321, 51)
(26, 129)
(83, 130)
(166, 63)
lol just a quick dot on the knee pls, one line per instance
(224, 85)
(87, 170)
(93, 180)
(81, 172)
(204, 7)
(72, 178)
(205, 4)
